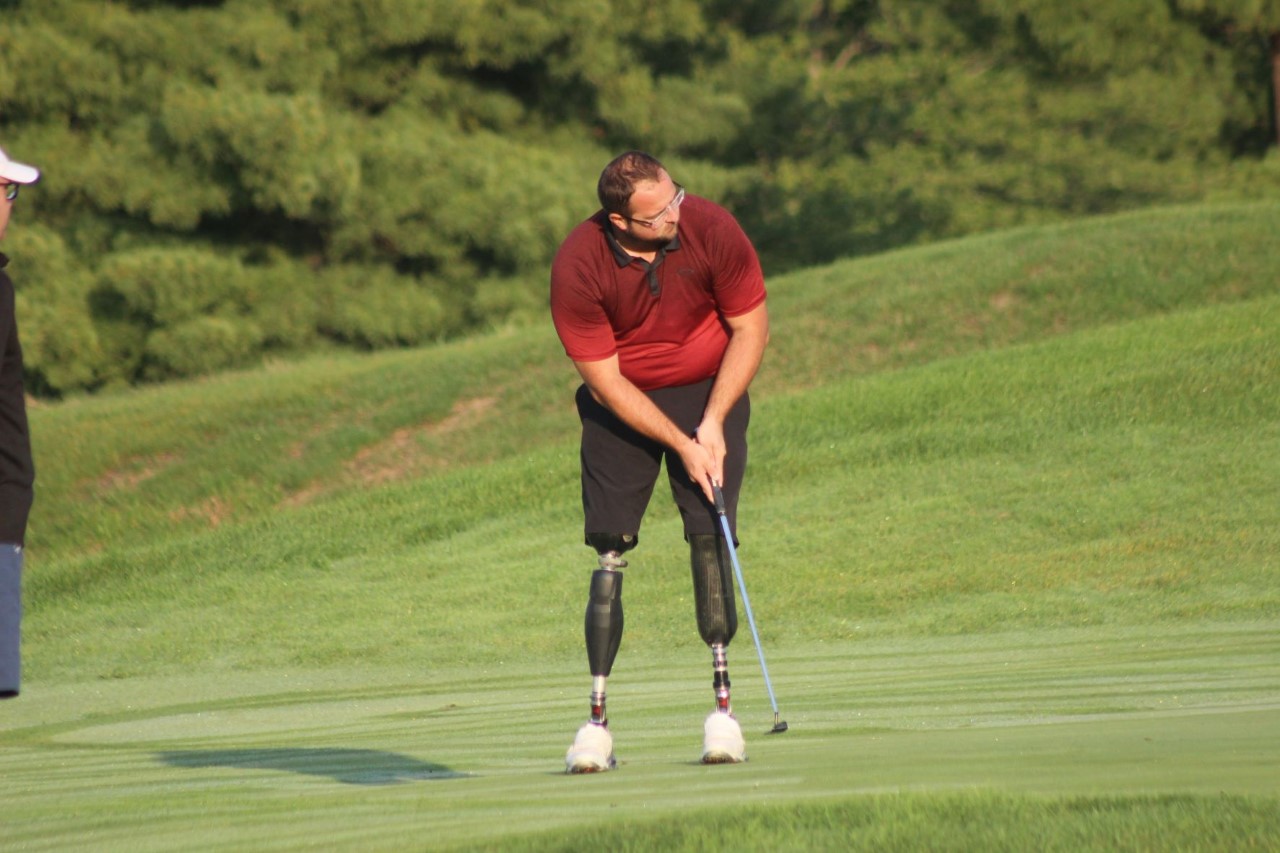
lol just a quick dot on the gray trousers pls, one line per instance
(10, 618)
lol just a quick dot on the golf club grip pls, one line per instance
(715, 490)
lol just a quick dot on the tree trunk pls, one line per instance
(1275, 83)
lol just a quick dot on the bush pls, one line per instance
(379, 309)
(60, 344)
(161, 287)
(200, 346)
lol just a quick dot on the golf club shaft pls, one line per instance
(746, 600)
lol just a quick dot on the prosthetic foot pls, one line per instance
(722, 741)
(592, 750)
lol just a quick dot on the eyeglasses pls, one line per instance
(10, 192)
(665, 212)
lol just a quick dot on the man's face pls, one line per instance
(654, 213)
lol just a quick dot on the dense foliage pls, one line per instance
(227, 180)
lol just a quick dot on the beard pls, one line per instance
(655, 245)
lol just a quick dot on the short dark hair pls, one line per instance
(618, 180)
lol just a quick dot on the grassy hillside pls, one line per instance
(1018, 490)
(189, 457)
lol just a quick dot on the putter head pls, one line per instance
(778, 727)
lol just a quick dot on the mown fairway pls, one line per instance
(1010, 536)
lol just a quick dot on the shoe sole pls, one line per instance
(577, 769)
(721, 758)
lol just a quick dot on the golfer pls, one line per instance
(17, 470)
(659, 300)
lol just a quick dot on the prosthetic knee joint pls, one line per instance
(716, 608)
(604, 614)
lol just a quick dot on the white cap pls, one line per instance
(18, 173)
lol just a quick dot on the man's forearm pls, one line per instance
(634, 408)
(739, 364)
(631, 405)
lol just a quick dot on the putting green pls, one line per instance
(380, 759)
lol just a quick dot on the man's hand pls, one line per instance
(701, 465)
(710, 436)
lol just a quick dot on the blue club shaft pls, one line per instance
(746, 600)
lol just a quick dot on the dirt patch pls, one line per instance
(213, 512)
(1005, 300)
(134, 472)
(400, 455)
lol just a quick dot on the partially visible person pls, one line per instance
(17, 470)
(659, 300)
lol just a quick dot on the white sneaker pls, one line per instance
(722, 741)
(592, 750)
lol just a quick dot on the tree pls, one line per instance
(232, 178)
(936, 120)
(1251, 28)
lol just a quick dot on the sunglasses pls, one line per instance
(10, 192)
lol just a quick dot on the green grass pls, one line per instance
(1010, 533)
(1103, 737)
(187, 457)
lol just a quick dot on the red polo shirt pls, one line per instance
(664, 320)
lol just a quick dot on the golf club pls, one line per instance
(779, 726)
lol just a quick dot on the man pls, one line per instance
(659, 300)
(17, 471)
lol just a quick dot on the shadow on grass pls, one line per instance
(348, 766)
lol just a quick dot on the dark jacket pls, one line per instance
(17, 469)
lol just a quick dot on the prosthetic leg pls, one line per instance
(717, 623)
(604, 627)
(717, 612)
(592, 750)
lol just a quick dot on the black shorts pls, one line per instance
(620, 466)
